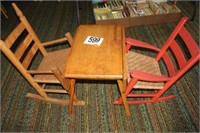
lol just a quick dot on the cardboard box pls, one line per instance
(141, 20)
(120, 21)
(167, 18)
(170, 14)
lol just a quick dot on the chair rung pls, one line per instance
(141, 95)
(55, 91)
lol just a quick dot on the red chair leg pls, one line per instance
(128, 90)
(153, 97)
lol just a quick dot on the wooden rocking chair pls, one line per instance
(26, 44)
(145, 71)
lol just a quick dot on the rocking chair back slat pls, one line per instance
(24, 45)
(189, 41)
(14, 35)
(178, 54)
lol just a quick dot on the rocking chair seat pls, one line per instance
(136, 61)
(57, 58)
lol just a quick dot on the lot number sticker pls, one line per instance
(93, 40)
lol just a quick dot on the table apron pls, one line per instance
(94, 77)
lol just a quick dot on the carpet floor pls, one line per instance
(52, 20)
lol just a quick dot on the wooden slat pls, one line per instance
(178, 53)
(14, 35)
(55, 91)
(39, 72)
(169, 64)
(24, 45)
(189, 41)
(27, 60)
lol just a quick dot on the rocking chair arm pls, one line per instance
(148, 77)
(68, 37)
(37, 72)
(49, 43)
(133, 42)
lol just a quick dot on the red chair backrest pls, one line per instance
(178, 54)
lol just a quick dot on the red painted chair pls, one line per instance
(145, 72)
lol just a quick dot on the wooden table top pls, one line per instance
(97, 62)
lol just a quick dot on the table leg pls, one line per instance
(71, 98)
(65, 82)
(122, 91)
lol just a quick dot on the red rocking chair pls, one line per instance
(145, 73)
